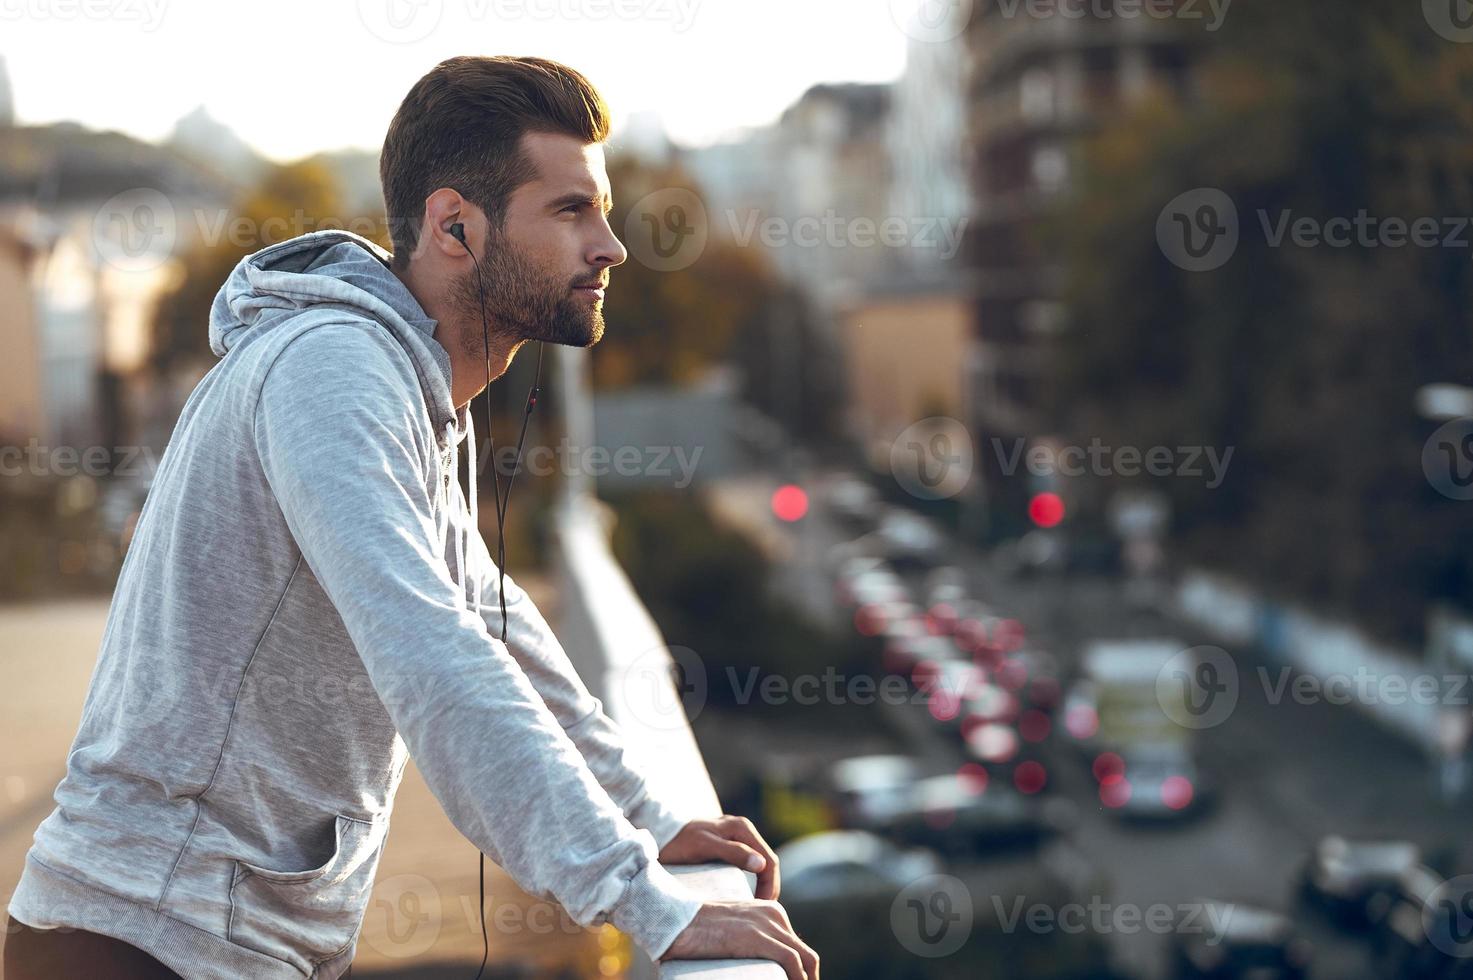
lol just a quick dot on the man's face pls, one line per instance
(543, 275)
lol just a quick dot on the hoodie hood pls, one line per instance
(340, 268)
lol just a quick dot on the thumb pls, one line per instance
(741, 856)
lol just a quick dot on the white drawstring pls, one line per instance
(475, 527)
(450, 510)
(442, 522)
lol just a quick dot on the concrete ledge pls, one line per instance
(618, 650)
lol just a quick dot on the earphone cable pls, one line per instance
(458, 232)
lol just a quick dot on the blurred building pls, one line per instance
(926, 142)
(643, 137)
(49, 383)
(906, 353)
(737, 173)
(1038, 84)
(76, 329)
(808, 189)
(811, 192)
(21, 407)
(91, 228)
(7, 97)
(830, 146)
(908, 337)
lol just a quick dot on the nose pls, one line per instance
(608, 251)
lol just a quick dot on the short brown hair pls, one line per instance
(461, 125)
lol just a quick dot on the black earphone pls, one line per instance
(457, 231)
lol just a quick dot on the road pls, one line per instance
(1286, 773)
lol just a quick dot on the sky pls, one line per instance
(293, 77)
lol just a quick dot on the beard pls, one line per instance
(523, 302)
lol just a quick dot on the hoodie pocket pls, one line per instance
(305, 917)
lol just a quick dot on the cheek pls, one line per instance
(556, 252)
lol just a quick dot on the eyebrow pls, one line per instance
(579, 197)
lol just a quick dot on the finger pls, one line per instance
(790, 936)
(769, 880)
(740, 855)
(773, 947)
(809, 956)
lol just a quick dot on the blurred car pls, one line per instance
(1254, 942)
(957, 689)
(1007, 757)
(968, 816)
(984, 702)
(1053, 551)
(1342, 877)
(1123, 685)
(1040, 551)
(839, 864)
(890, 619)
(854, 501)
(985, 636)
(1081, 709)
(1032, 674)
(835, 884)
(947, 583)
(906, 649)
(910, 539)
(1414, 885)
(849, 558)
(944, 617)
(1155, 781)
(1419, 927)
(867, 791)
(854, 554)
(871, 585)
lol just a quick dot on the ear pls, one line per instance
(444, 223)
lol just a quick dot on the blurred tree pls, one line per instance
(707, 586)
(792, 371)
(728, 306)
(1305, 360)
(668, 327)
(293, 199)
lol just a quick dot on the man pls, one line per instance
(224, 806)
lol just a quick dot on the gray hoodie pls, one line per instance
(306, 604)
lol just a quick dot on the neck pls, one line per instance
(460, 335)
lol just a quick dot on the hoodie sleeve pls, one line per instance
(597, 736)
(347, 451)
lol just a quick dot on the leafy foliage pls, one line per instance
(1305, 359)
